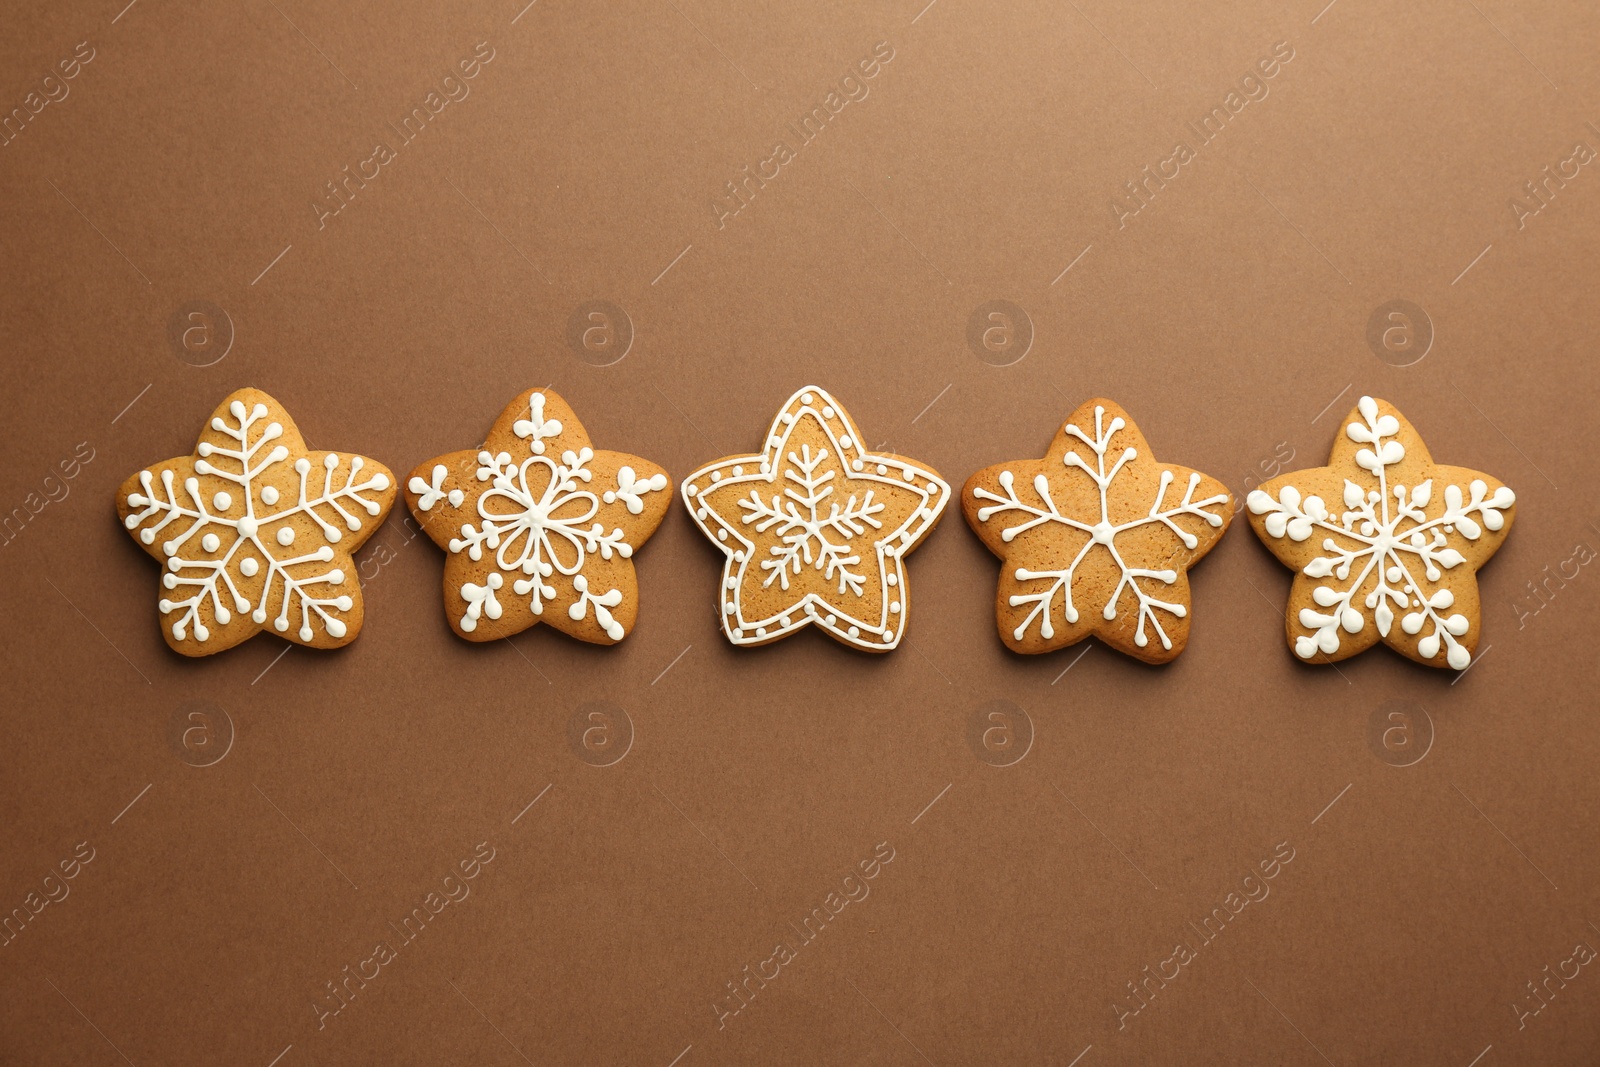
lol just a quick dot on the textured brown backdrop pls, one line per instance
(257, 821)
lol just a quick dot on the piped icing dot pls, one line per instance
(286, 536)
(222, 502)
(269, 495)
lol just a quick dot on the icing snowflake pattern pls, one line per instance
(814, 529)
(267, 538)
(806, 538)
(1387, 556)
(532, 530)
(1105, 462)
(534, 513)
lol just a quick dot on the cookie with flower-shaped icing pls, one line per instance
(1385, 544)
(1096, 538)
(255, 531)
(815, 529)
(539, 526)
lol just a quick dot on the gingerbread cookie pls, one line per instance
(1096, 538)
(1396, 557)
(539, 526)
(254, 530)
(815, 529)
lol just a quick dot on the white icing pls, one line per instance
(824, 503)
(536, 427)
(631, 489)
(1386, 533)
(430, 494)
(1101, 532)
(480, 601)
(610, 599)
(212, 581)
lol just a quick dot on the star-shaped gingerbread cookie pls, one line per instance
(1096, 538)
(816, 529)
(255, 531)
(539, 526)
(1385, 544)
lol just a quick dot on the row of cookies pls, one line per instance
(254, 530)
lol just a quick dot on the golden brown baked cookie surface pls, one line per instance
(1385, 543)
(255, 531)
(1096, 538)
(538, 526)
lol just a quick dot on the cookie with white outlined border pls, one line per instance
(815, 529)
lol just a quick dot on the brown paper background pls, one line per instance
(1229, 316)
